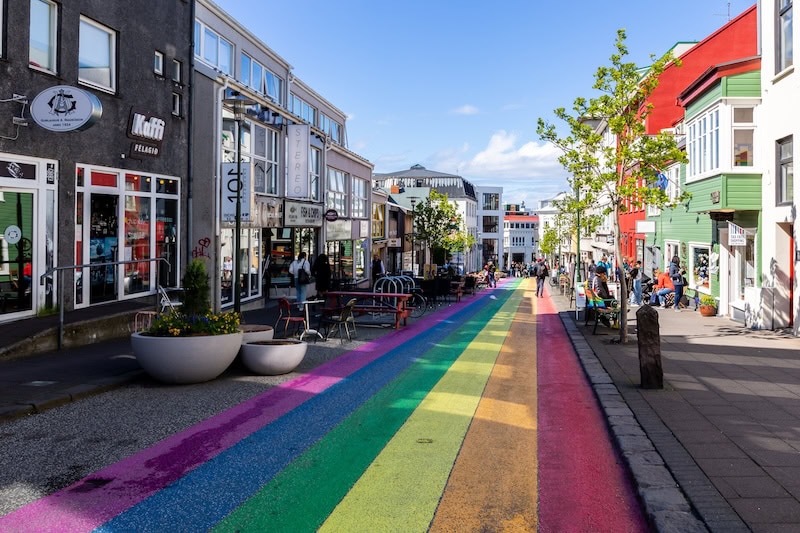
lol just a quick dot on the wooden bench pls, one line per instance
(371, 302)
(610, 311)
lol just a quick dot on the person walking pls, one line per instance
(492, 279)
(300, 271)
(322, 273)
(676, 274)
(541, 276)
(378, 269)
(636, 276)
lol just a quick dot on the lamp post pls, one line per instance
(413, 244)
(239, 103)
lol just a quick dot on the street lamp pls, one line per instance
(239, 103)
(413, 200)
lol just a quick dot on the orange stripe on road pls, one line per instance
(493, 484)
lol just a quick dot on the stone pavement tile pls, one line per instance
(702, 434)
(720, 450)
(727, 467)
(767, 511)
(738, 425)
(718, 409)
(750, 487)
(703, 398)
(773, 528)
(768, 451)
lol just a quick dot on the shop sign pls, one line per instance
(270, 211)
(331, 215)
(232, 184)
(65, 108)
(17, 171)
(715, 197)
(394, 242)
(736, 235)
(147, 131)
(340, 230)
(298, 161)
(300, 215)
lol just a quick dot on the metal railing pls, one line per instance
(59, 270)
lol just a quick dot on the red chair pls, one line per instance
(285, 308)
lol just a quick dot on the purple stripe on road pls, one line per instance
(97, 498)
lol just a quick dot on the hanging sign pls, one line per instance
(297, 165)
(736, 235)
(65, 108)
(234, 185)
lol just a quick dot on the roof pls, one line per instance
(416, 171)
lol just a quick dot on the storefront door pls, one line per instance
(16, 251)
(103, 247)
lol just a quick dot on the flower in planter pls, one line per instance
(709, 300)
(194, 317)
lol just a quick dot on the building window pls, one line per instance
(698, 267)
(703, 143)
(360, 198)
(212, 49)
(260, 78)
(158, 63)
(315, 170)
(491, 224)
(785, 171)
(784, 53)
(42, 52)
(330, 127)
(177, 71)
(177, 104)
(303, 110)
(337, 191)
(265, 160)
(491, 201)
(743, 132)
(97, 55)
(378, 221)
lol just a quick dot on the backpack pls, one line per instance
(302, 276)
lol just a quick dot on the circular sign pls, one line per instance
(331, 215)
(65, 108)
(12, 235)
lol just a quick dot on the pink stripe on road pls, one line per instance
(97, 498)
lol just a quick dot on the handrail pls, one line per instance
(59, 271)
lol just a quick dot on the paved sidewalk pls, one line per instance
(727, 423)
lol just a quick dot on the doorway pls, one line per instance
(16, 251)
(103, 247)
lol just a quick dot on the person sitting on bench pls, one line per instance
(662, 287)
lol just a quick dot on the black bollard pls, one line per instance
(649, 338)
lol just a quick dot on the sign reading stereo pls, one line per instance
(147, 131)
(65, 108)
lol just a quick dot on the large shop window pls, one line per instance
(338, 182)
(121, 216)
(699, 268)
(16, 249)
(703, 143)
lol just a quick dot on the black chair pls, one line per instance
(343, 319)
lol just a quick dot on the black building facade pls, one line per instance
(94, 149)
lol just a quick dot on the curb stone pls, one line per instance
(665, 505)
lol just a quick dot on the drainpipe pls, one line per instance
(189, 142)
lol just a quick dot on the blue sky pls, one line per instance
(457, 86)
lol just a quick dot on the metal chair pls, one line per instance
(344, 318)
(285, 309)
(166, 302)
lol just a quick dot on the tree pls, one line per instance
(623, 173)
(434, 220)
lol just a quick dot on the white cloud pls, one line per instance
(465, 110)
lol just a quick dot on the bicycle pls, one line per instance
(416, 304)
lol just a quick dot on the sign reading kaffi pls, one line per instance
(65, 108)
(147, 131)
(298, 161)
(299, 215)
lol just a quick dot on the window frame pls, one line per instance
(263, 81)
(201, 31)
(158, 63)
(359, 197)
(177, 104)
(177, 71)
(784, 184)
(52, 66)
(703, 143)
(112, 56)
(315, 172)
(743, 126)
(784, 46)
(337, 191)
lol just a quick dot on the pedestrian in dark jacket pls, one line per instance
(676, 275)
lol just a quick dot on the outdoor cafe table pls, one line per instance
(371, 302)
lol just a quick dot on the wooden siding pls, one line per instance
(747, 84)
(709, 97)
(741, 192)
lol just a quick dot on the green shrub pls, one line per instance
(196, 299)
(707, 299)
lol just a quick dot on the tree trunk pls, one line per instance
(623, 285)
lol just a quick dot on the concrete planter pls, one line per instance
(273, 357)
(182, 360)
(256, 332)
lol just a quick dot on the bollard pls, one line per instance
(649, 338)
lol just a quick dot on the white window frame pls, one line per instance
(177, 104)
(743, 126)
(690, 268)
(177, 71)
(112, 56)
(359, 197)
(303, 109)
(267, 158)
(330, 127)
(223, 47)
(338, 184)
(158, 63)
(784, 186)
(260, 78)
(52, 52)
(315, 171)
(784, 30)
(702, 143)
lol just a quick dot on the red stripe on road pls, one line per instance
(583, 485)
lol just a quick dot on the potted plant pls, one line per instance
(191, 344)
(708, 305)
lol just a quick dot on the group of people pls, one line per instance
(672, 280)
